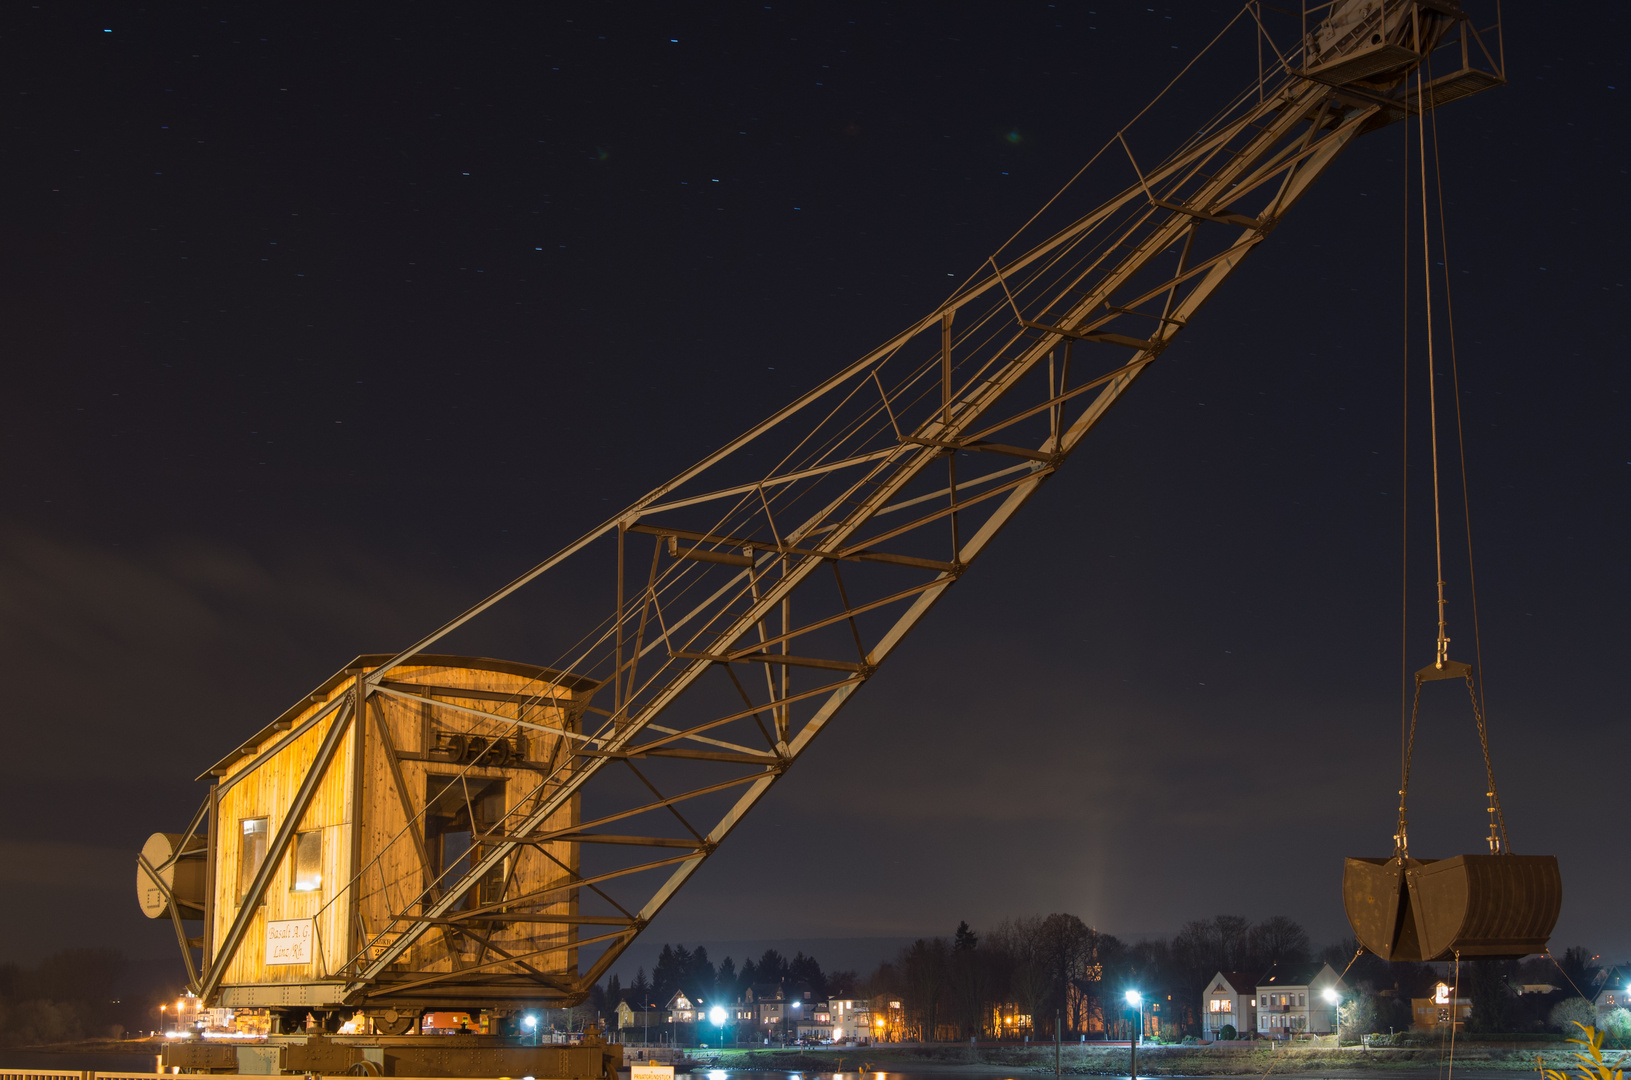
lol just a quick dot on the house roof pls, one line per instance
(1291, 974)
(765, 992)
(1241, 982)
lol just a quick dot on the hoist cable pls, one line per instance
(1565, 974)
(1479, 701)
(1404, 514)
(1455, 996)
(1432, 385)
(1497, 835)
(1401, 840)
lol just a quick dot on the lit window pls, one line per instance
(252, 840)
(308, 862)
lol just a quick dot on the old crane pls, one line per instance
(430, 830)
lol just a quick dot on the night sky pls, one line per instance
(264, 267)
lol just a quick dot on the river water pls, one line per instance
(145, 1063)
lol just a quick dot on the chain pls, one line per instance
(1497, 820)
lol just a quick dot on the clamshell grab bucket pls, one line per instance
(1471, 905)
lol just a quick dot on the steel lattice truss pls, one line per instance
(750, 603)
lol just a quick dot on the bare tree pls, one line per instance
(1069, 948)
(1029, 973)
(1280, 940)
(924, 966)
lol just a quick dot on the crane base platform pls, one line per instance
(396, 1055)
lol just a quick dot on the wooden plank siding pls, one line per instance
(373, 872)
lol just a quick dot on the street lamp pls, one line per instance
(530, 1022)
(1334, 999)
(1136, 1000)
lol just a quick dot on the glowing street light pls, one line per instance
(1334, 999)
(718, 1015)
(1136, 1000)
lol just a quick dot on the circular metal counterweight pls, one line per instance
(171, 869)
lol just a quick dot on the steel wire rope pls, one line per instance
(996, 308)
(1455, 996)
(1124, 128)
(875, 411)
(614, 620)
(695, 470)
(1406, 726)
(1479, 705)
(804, 488)
(1443, 645)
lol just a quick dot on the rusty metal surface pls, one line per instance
(1471, 905)
(453, 1055)
(199, 1056)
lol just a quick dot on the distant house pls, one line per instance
(776, 1008)
(638, 1023)
(1440, 1010)
(1614, 992)
(1291, 1000)
(1230, 1000)
(816, 1024)
(851, 1020)
(684, 1009)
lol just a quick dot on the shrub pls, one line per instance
(1571, 1013)
(1228, 1032)
(1617, 1028)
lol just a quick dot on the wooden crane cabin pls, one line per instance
(365, 813)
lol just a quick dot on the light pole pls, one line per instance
(718, 1015)
(1136, 1000)
(1334, 999)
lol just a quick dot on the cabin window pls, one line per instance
(308, 862)
(253, 834)
(460, 812)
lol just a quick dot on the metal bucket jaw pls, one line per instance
(1467, 905)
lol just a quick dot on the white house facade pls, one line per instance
(1230, 1001)
(1291, 1000)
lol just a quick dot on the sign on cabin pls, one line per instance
(288, 941)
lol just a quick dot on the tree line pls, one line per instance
(1058, 971)
(679, 968)
(72, 995)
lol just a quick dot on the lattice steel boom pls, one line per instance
(749, 604)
